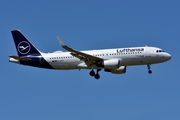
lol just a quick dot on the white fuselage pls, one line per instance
(127, 56)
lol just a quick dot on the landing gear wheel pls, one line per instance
(149, 71)
(92, 73)
(97, 76)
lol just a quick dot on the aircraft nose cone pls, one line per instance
(168, 56)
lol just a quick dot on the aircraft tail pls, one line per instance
(23, 45)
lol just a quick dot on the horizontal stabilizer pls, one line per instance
(19, 58)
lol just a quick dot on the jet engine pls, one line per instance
(109, 64)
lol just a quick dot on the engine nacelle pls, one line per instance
(111, 64)
(120, 70)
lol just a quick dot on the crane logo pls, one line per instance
(24, 47)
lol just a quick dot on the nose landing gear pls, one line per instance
(149, 69)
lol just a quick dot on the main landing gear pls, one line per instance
(149, 69)
(95, 75)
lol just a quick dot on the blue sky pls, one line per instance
(39, 94)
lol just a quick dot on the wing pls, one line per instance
(88, 59)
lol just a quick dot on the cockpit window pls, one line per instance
(159, 51)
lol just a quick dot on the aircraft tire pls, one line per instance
(150, 72)
(92, 73)
(97, 76)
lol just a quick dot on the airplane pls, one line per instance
(113, 60)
